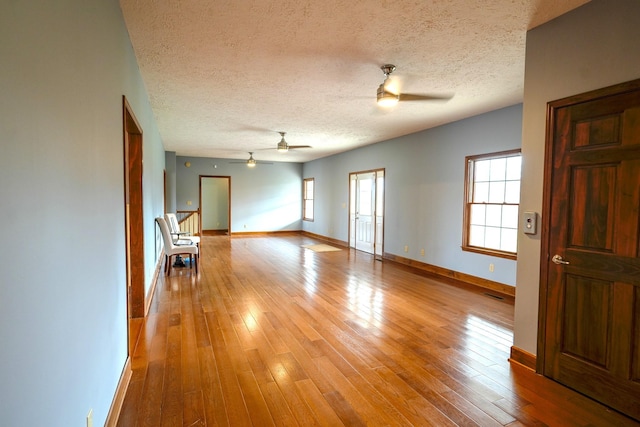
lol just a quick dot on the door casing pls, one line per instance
(134, 215)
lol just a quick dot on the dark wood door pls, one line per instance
(590, 306)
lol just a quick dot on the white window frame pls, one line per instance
(308, 201)
(491, 204)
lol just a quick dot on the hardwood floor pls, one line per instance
(274, 334)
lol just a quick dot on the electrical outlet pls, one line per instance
(406, 248)
(90, 418)
(422, 252)
(491, 267)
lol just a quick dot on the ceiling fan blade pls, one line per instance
(421, 97)
(258, 162)
(292, 147)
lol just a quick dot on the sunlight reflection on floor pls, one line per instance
(482, 334)
(366, 303)
(310, 273)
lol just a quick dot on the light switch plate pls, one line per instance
(529, 222)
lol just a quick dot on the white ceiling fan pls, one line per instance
(251, 162)
(388, 95)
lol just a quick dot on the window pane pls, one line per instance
(494, 215)
(365, 197)
(512, 192)
(509, 240)
(481, 192)
(308, 189)
(308, 209)
(352, 197)
(510, 216)
(481, 170)
(379, 196)
(478, 215)
(498, 169)
(514, 167)
(476, 235)
(496, 192)
(492, 238)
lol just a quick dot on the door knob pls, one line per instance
(557, 259)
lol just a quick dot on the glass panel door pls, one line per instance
(366, 202)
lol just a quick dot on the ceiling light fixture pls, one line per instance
(386, 98)
(251, 162)
(283, 147)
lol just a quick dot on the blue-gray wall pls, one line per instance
(267, 197)
(170, 181)
(424, 190)
(63, 306)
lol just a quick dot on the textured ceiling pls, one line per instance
(225, 76)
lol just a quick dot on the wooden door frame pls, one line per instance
(228, 178)
(134, 217)
(547, 195)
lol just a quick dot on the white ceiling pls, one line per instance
(225, 76)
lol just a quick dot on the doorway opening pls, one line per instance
(134, 229)
(215, 205)
(366, 211)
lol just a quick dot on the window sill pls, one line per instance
(490, 252)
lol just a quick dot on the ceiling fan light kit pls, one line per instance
(283, 147)
(386, 98)
(251, 162)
